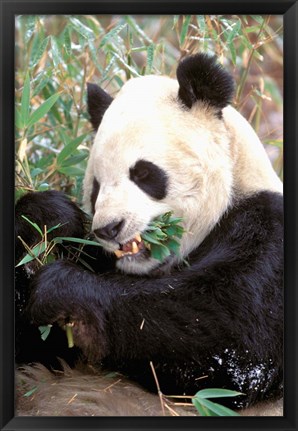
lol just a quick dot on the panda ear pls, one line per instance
(98, 102)
(201, 78)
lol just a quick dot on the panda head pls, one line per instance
(161, 145)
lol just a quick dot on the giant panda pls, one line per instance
(209, 317)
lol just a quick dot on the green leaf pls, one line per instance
(111, 34)
(217, 393)
(159, 252)
(71, 171)
(70, 148)
(43, 187)
(18, 120)
(216, 409)
(33, 224)
(258, 18)
(31, 392)
(40, 51)
(234, 32)
(233, 52)
(55, 227)
(35, 172)
(150, 238)
(202, 23)
(82, 29)
(30, 27)
(59, 239)
(45, 331)
(42, 81)
(35, 252)
(209, 408)
(150, 55)
(67, 41)
(74, 160)
(173, 246)
(56, 55)
(25, 102)
(203, 411)
(69, 336)
(184, 29)
(119, 81)
(133, 24)
(43, 109)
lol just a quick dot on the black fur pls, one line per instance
(221, 317)
(98, 102)
(46, 208)
(201, 78)
(50, 208)
(150, 178)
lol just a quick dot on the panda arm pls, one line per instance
(46, 209)
(221, 299)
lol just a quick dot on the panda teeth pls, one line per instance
(138, 237)
(119, 253)
(134, 247)
(130, 248)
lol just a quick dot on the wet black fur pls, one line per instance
(228, 300)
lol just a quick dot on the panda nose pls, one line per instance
(110, 231)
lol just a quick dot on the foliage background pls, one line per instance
(56, 55)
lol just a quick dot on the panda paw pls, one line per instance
(58, 295)
(50, 209)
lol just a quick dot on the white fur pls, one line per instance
(207, 160)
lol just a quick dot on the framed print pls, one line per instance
(148, 218)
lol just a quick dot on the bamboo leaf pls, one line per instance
(111, 34)
(82, 29)
(133, 24)
(150, 56)
(235, 32)
(216, 409)
(74, 160)
(70, 148)
(159, 252)
(203, 411)
(43, 187)
(33, 224)
(43, 109)
(184, 29)
(41, 83)
(59, 239)
(202, 23)
(45, 331)
(31, 392)
(147, 237)
(30, 27)
(35, 252)
(56, 55)
(40, 51)
(71, 171)
(217, 393)
(18, 119)
(25, 102)
(67, 41)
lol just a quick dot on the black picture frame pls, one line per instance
(8, 10)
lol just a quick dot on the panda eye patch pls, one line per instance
(140, 172)
(94, 193)
(150, 178)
